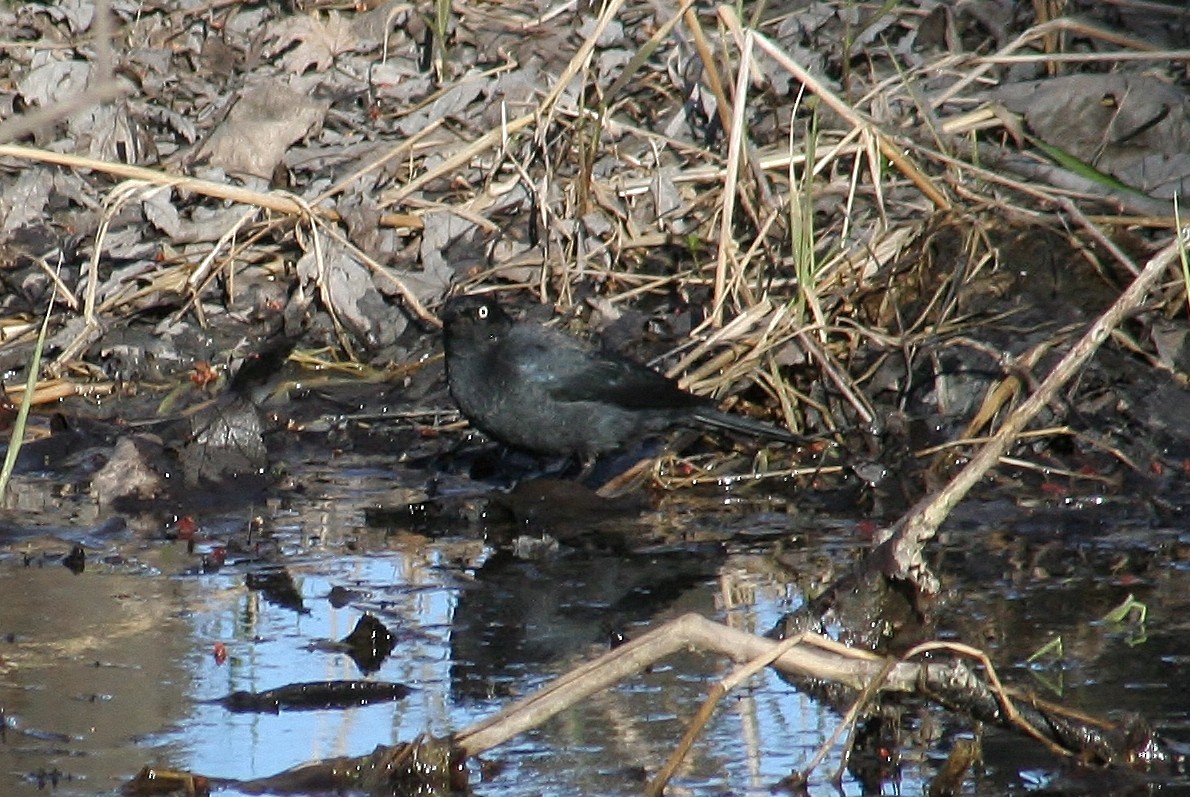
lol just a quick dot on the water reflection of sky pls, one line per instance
(120, 658)
(270, 646)
(155, 635)
(602, 746)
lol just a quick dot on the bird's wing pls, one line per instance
(624, 383)
(569, 371)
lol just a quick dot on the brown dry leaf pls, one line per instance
(23, 203)
(77, 14)
(441, 230)
(1133, 127)
(265, 121)
(52, 79)
(453, 101)
(320, 41)
(129, 473)
(1172, 342)
(347, 288)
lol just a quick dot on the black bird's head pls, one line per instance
(472, 321)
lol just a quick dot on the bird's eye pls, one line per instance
(481, 313)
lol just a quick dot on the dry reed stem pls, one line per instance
(725, 252)
(769, 160)
(277, 201)
(55, 389)
(406, 147)
(813, 657)
(65, 295)
(1152, 6)
(710, 69)
(694, 475)
(1097, 234)
(1063, 24)
(14, 328)
(838, 378)
(1089, 58)
(656, 786)
(727, 16)
(1048, 470)
(894, 152)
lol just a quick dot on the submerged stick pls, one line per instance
(814, 657)
(409, 767)
(949, 683)
(707, 710)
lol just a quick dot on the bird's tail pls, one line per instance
(739, 423)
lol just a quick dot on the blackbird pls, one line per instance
(538, 389)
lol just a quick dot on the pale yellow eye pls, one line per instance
(481, 313)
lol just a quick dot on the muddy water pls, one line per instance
(116, 667)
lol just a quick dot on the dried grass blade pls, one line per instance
(276, 200)
(727, 239)
(887, 148)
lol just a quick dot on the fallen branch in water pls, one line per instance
(440, 763)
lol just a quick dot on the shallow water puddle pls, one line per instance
(106, 671)
(123, 665)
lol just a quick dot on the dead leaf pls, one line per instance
(319, 41)
(264, 122)
(53, 79)
(1133, 127)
